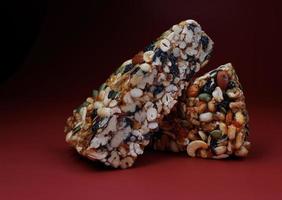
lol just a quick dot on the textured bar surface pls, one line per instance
(210, 119)
(116, 123)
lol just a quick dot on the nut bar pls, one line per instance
(116, 123)
(210, 120)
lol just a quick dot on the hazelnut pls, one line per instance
(222, 79)
(193, 91)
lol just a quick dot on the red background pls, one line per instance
(80, 44)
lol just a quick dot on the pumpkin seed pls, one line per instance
(216, 134)
(205, 97)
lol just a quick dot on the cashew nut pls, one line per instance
(194, 146)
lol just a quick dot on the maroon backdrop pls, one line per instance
(80, 44)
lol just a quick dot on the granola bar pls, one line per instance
(210, 119)
(117, 121)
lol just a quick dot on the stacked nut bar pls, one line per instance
(118, 121)
(210, 120)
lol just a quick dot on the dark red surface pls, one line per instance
(79, 45)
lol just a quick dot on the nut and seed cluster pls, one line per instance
(210, 120)
(116, 123)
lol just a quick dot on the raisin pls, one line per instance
(205, 41)
(222, 106)
(213, 145)
(161, 55)
(158, 89)
(94, 113)
(172, 59)
(174, 70)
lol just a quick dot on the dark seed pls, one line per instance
(160, 54)
(192, 27)
(174, 70)
(112, 94)
(128, 122)
(222, 106)
(158, 89)
(127, 68)
(94, 113)
(205, 41)
(231, 84)
(135, 71)
(172, 59)
(189, 58)
(95, 127)
(76, 129)
(100, 123)
(213, 145)
(209, 87)
(216, 134)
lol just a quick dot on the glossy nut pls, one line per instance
(194, 146)
(193, 91)
(222, 79)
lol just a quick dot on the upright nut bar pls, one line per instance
(210, 119)
(116, 123)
